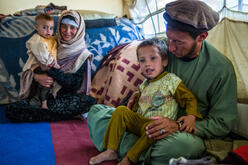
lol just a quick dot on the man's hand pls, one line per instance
(188, 124)
(43, 80)
(161, 127)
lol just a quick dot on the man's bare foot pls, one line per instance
(109, 154)
(125, 161)
(44, 104)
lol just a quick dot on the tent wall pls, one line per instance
(230, 38)
(108, 6)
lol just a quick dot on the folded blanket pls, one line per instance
(118, 77)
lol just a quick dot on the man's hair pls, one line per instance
(43, 16)
(160, 44)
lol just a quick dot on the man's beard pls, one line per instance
(190, 54)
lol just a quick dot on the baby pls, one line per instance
(42, 49)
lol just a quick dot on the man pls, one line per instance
(206, 72)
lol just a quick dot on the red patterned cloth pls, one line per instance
(117, 78)
(242, 151)
(238, 156)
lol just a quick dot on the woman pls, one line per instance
(69, 97)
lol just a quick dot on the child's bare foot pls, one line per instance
(125, 161)
(109, 154)
(44, 104)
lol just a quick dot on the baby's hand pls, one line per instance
(54, 64)
(57, 66)
(188, 124)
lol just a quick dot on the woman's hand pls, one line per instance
(161, 127)
(43, 80)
